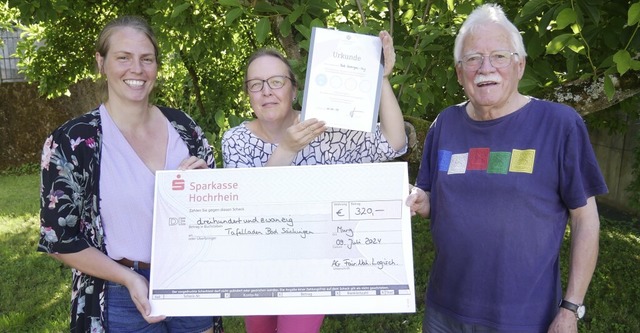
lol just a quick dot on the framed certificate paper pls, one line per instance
(343, 80)
(322, 239)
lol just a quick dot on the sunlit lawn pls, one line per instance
(35, 289)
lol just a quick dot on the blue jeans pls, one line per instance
(123, 316)
(437, 322)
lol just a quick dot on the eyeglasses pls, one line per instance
(497, 59)
(274, 82)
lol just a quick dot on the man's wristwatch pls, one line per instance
(578, 309)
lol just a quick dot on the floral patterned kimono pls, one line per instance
(69, 210)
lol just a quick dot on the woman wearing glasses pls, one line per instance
(277, 137)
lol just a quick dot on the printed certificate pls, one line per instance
(344, 79)
(282, 240)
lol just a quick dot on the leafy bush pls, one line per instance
(25, 169)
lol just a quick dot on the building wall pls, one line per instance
(8, 60)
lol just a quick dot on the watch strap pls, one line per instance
(575, 308)
(569, 306)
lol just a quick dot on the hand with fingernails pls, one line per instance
(301, 134)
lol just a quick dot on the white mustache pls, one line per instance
(484, 78)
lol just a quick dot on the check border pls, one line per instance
(202, 268)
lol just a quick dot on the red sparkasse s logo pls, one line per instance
(177, 184)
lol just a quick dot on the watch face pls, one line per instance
(580, 312)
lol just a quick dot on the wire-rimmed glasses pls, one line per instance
(274, 82)
(497, 59)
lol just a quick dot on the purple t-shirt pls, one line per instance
(500, 195)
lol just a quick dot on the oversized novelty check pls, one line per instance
(282, 240)
(344, 79)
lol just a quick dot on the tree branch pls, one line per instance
(587, 96)
(188, 64)
(362, 17)
(289, 44)
(391, 18)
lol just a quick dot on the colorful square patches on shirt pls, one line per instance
(483, 159)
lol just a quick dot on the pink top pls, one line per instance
(127, 191)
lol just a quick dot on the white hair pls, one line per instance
(488, 13)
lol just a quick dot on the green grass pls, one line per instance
(35, 289)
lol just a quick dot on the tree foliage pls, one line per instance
(205, 44)
(7, 17)
(585, 53)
